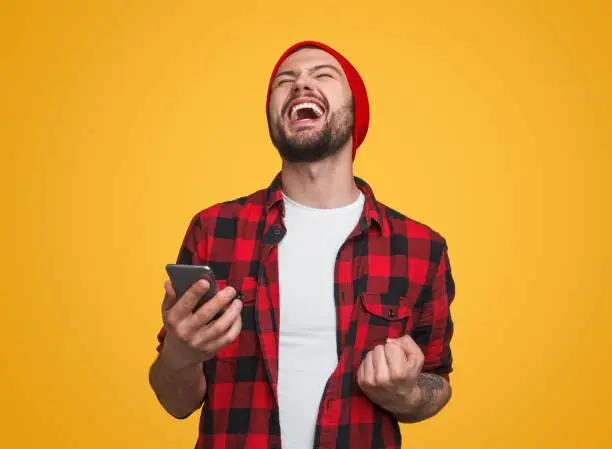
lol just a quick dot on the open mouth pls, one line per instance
(305, 112)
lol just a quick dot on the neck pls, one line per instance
(325, 184)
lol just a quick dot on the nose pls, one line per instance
(302, 83)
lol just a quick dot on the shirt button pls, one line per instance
(276, 232)
(391, 313)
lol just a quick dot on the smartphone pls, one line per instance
(183, 277)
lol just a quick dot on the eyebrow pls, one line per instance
(312, 69)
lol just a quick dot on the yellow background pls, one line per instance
(122, 119)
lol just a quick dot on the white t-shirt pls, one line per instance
(307, 347)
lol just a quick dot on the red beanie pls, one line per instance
(360, 96)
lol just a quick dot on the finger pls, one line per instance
(360, 373)
(213, 346)
(368, 369)
(412, 352)
(381, 371)
(185, 304)
(396, 361)
(207, 312)
(169, 296)
(219, 326)
(409, 345)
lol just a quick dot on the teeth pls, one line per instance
(314, 107)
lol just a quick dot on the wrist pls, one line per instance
(410, 406)
(411, 401)
(171, 359)
(415, 397)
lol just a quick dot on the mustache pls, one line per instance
(302, 95)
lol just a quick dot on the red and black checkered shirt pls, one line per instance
(392, 277)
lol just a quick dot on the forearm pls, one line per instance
(432, 393)
(180, 391)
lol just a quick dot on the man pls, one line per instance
(336, 324)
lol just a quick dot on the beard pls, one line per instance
(314, 145)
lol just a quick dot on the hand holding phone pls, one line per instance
(185, 276)
(192, 334)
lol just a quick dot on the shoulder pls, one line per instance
(242, 207)
(413, 232)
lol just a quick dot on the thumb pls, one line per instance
(170, 298)
(408, 344)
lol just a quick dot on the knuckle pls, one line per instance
(182, 333)
(203, 344)
(171, 318)
(227, 340)
(224, 296)
(405, 372)
(205, 341)
(215, 304)
(204, 315)
(398, 375)
(206, 349)
(230, 337)
(382, 380)
(195, 342)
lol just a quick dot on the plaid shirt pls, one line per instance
(392, 277)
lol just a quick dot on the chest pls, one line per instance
(368, 286)
(373, 290)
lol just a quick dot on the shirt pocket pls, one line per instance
(246, 289)
(382, 316)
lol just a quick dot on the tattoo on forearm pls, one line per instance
(431, 385)
(435, 395)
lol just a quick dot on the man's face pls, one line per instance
(311, 107)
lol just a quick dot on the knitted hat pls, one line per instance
(360, 96)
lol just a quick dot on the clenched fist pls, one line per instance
(388, 375)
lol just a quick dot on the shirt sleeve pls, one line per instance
(192, 252)
(434, 326)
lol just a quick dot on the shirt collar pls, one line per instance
(371, 212)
